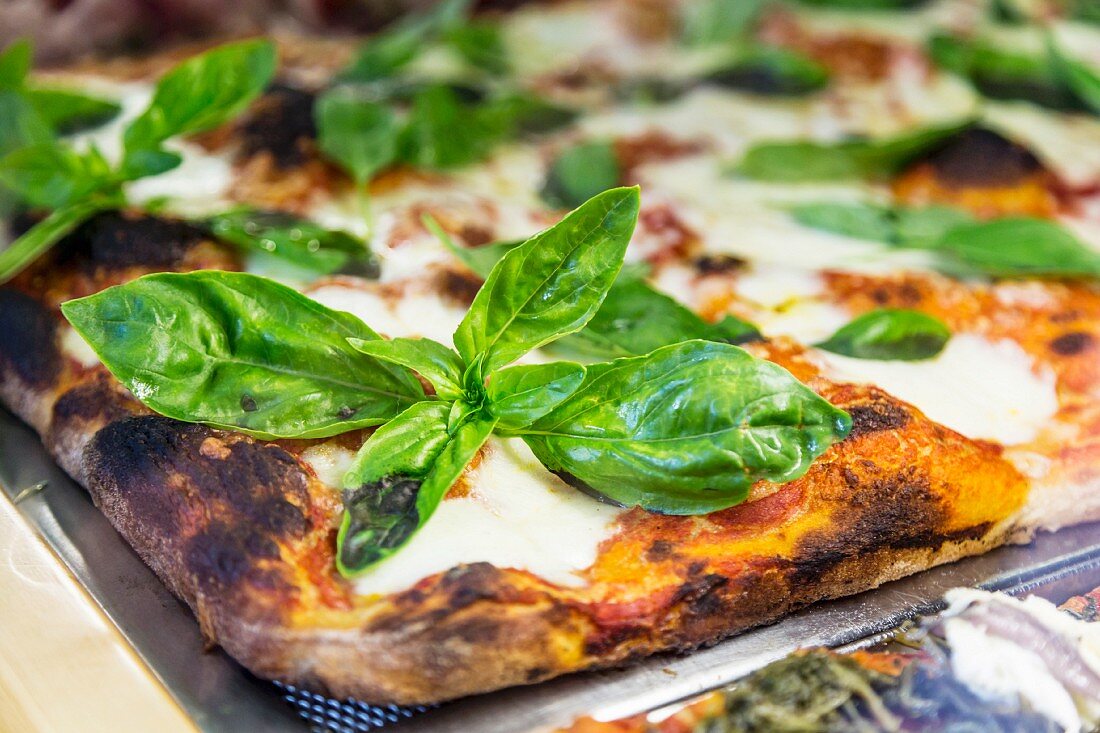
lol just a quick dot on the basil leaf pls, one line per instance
(771, 71)
(68, 112)
(240, 352)
(20, 124)
(890, 334)
(382, 485)
(202, 92)
(356, 133)
(432, 360)
(810, 161)
(387, 52)
(1081, 78)
(443, 132)
(525, 114)
(580, 172)
(399, 478)
(1020, 247)
(520, 395)
(1000, 73)
(867, 4)
(481, 259)
(299, 241)
(708, 22)
(901, 227)
(50, 175)
(45, 234)
(635, 319)
(15, 64)
(481, 45)
(685, 430)
(551, 285)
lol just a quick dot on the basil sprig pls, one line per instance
(685, 429)
(634, 319)
(30, 114)
(899, 226)
(198, 94)
(1006, 247)
(299, 241)
(891, 334)
(804, 160)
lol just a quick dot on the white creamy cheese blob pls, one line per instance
(516, 515)
(424, 313)
(983, 389)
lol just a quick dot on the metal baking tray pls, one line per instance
(221, 696)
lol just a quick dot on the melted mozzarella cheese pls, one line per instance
(516, 515)
(789, 303)
(329, 462)
(74, 346)
(983, 389)
(420, 313)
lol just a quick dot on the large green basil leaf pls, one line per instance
(580, 172)
(551, 285)
(899, 226)
(635, 319)
(399, 477)
(299, 241)
(868, 158)
(520, 395)
(37, 240)
(356, 132)
(432, 360)
(68, 112)
(241, 352)
(1082, 79)
(1002, 73)
(202, 92)
(1019, 247)
(51, 175)
(890, 334)
(771, 71)
(685, 430)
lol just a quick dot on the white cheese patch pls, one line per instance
(420, 311)
(789, 303)
(75, 347)
(197, 187)
(517, 515)
(984, 389)
(329, 462)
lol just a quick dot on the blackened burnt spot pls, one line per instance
(158, 466)
(981, 157)
(877, 417)
(345, 413)
(459, 287)
(1072, 344)
(280, 123)
(248, 403)
(718, 264)
(28, 338)
(701, 596)
(659, 551)
(219, 555)
(116, 240)
(92, 401)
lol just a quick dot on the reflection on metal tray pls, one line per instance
(221, 696)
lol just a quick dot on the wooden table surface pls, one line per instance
(63, 665)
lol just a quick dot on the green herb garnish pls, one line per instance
(890, 334)
(580, 172)
(293, 239)
(198, 94)
(771, 71)
(685, 429)
(856, 158)
(895, 225)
